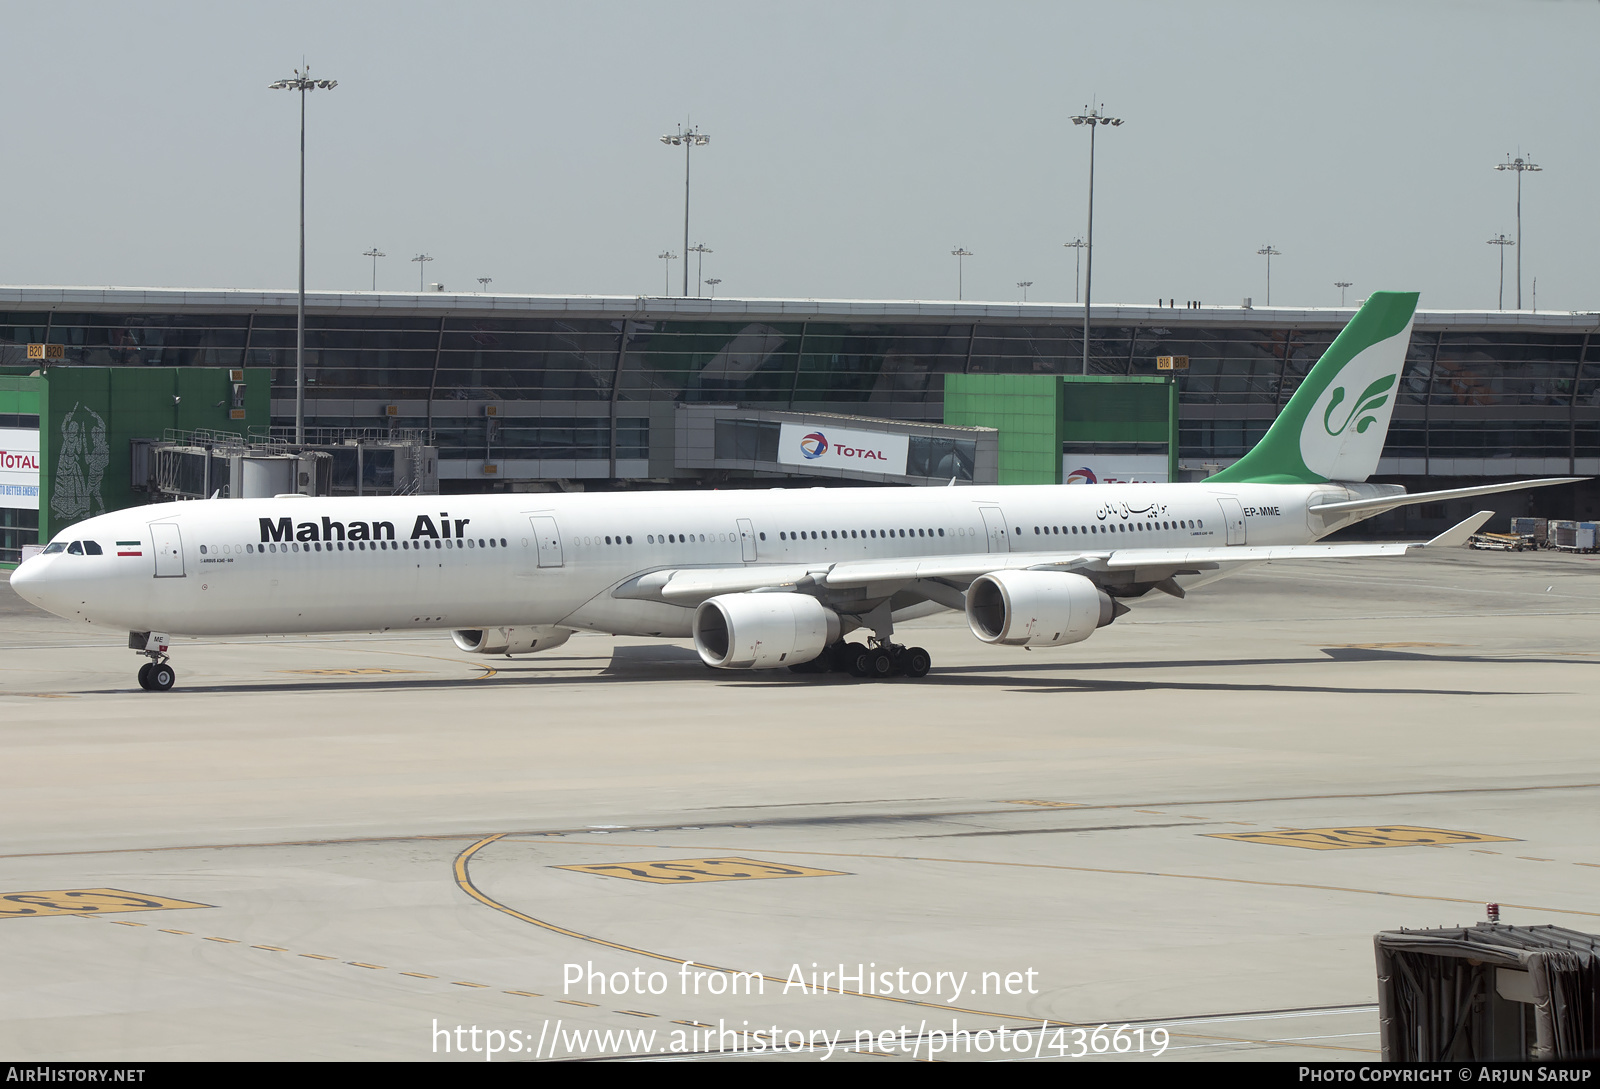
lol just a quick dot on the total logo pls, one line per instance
(814, 445)
(27, 460)
(1084, 475)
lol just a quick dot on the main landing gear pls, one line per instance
(874, 660)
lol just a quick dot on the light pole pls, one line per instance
(1077, 265)
(374, 253)
(700, 262)
(692, 139)
(484, 282)
(960, 254)
(1269, 253)
(667, 257)
(1093, 118)
(1502, 241)
(1521, 167)
(1024, 284)
(1341, 285)
(713, 282)
(421, 261)
(301, 82)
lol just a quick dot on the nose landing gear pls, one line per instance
(156, 675)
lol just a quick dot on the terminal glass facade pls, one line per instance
(582, 388)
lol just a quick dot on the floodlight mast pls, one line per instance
(1501, 241)
(302, 82)
(960, 253)
(1341, 285)
(421, 261)
(692, 139)
(1077, 265)
(1520, 166)
(700, 264)
(1093, 118)
(1269, 253)
(374, 253)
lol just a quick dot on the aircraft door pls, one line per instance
(168, 544)
(994, 522)
(1233, 518)
(747, 540)
(549, 539)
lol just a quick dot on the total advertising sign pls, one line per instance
(19, 469)
(1114, 469)
(836, 448)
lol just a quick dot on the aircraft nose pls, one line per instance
(31, 583)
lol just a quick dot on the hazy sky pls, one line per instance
(853, 146)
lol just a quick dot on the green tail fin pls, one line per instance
(1334, 426)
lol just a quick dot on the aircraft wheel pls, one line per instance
(144, 675)
(879, 664)
(916, 662)
(162, 677)
(858, 661)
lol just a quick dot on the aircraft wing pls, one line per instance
(690, 586)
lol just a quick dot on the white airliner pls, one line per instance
(759, 579)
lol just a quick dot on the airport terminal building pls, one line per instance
(538, 392)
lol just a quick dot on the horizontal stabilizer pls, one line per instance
(1457, 535)
(1389, 502)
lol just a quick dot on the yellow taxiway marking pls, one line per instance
(1047, 805)
(681, 870)
(1350, 838)
(419, 975)
(464, 883)
(273, 948)
(463, 983)
(22, 905)
(318, 956)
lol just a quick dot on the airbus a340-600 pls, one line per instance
(759, 579)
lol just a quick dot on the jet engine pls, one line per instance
(762, 631)
(1037, 608)
(509, 640)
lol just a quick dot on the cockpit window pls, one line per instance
(75, 548)
(92, 548)
(54, 547)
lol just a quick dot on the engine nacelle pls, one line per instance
(509, 640)
(1036, 608)
(762, 631)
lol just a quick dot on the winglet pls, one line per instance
(1457, 534)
